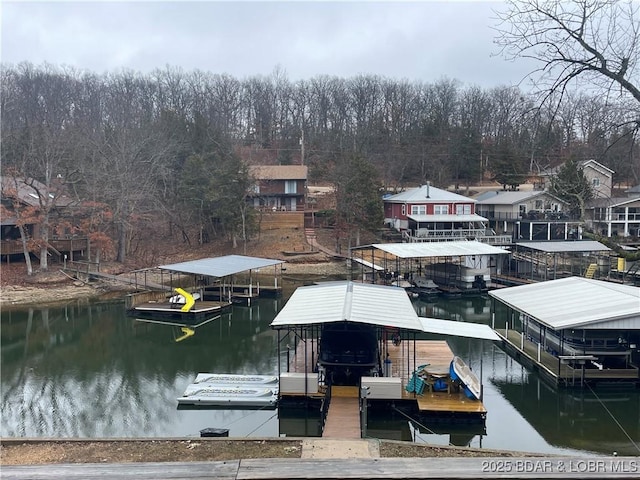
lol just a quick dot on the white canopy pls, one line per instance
(371, 304)
(576, 302)
(221, 266)
(458, 329)
(348, 301)
(437, 249)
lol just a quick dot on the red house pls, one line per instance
(428, 213)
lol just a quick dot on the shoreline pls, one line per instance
(59, 288)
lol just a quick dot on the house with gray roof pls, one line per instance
(530, 215)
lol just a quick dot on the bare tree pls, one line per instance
(585, 42)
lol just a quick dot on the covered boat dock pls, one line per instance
(572, 330)
(212, 285)
(316, 368)
(540, 261)
(455, 266)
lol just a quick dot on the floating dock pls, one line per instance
(230, 390)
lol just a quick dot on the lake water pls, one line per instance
(87, 370)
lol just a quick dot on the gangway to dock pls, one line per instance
(343, 416)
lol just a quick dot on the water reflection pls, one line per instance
(90, 371)
(87, 370)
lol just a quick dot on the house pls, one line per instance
(22, 193)
(531, 215)
(428, 213)
(279, 188)
(614, 216)
(599, 176)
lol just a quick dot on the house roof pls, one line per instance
(499, 197)
(575, 302)
(279, 172)
(427, 194)
(582, 163)
(611, 202)
(635, 189)
(596, 165)
(221, 266)
(29, 191)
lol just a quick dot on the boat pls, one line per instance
(348, 351)
(460, 371)
(229, 396)
(425, 287)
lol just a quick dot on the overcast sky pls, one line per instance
(419, 40)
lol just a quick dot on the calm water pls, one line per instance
(87, 370)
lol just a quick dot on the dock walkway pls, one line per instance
(343, 417)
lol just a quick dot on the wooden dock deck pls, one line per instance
(405, 358)
(200, 311)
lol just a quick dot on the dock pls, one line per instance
(564, 370)
(405, 358)
(160, 310)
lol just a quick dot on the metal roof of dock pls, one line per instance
(565, 247)
(349, 301)
(458, 329)
(575, 302)
(370, 304)
(436, 249)
(221, 266)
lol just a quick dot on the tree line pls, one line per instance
(171, 144)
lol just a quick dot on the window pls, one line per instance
(463, 209)
(595, 182)
(538, 204)
(441, 209)
(404, 209)
(418, 209)
(290, 186)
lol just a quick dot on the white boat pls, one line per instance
(227, 396)
(232, 379)
(458, 370)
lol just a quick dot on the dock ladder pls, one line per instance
(591, 270)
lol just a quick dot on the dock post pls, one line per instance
(364, 393)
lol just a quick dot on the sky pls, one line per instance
(420, 40)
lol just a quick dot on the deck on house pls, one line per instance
(405, 358)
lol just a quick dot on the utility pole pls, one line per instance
(302, 147)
